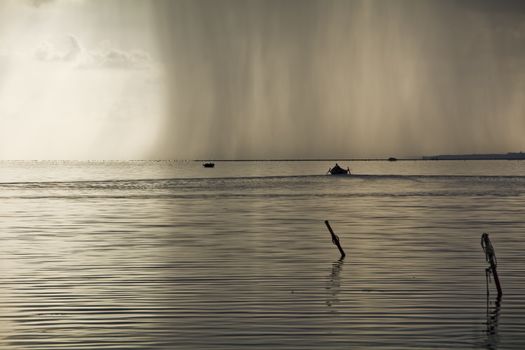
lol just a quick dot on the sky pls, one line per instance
(260, 79)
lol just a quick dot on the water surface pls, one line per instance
(165, 255)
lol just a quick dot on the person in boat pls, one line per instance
(337, 170)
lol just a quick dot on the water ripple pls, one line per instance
(247, 263)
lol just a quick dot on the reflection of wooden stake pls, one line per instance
(335, 239)
(496, 279)
(490, 255)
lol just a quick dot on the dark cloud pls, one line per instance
(279, 78)
(516, 7)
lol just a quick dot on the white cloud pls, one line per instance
(105, 56)
(52, 109)
(116, 59)
(38, 3)
(48, 52)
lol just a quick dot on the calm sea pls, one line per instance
(170, 255)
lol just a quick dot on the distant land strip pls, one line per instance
(307, 160)
(495, 156)
(503, 156)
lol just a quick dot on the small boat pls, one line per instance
(337, 170)
(208, 165)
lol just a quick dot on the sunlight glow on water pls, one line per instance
(160, 255)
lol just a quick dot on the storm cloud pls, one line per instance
(244, 79)
(308, 79)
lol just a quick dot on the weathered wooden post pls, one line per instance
(490, 256)
(335, 239)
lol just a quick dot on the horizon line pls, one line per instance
(421, 158)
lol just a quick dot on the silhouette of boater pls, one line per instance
(337, 170)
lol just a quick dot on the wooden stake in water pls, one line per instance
(490, 255)
(335, 239)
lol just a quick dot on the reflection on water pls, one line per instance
(493, 313)
(494, 307)
(140, 256)
(334, 284)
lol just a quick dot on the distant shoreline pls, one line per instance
(505, 156)
(305, 160)
(509, 156)
(502, 156)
